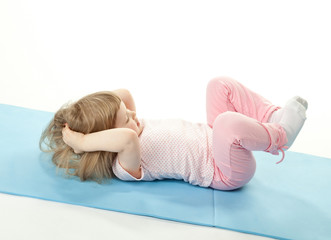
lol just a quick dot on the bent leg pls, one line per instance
(234, 137)
(226, 94)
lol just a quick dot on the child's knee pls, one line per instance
(220, 82)
(229, 121)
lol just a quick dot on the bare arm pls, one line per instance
(124, 141)
(127, 98)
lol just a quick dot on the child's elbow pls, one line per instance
(132, 136)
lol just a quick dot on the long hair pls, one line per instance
(92, 113)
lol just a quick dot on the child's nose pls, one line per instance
(133, 114)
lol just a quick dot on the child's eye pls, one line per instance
(127, 117)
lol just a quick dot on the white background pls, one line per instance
(164, 52)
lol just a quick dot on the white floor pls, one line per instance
(165, 53)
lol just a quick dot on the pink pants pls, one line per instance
(239, 119)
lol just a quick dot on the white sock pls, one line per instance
(291, 117)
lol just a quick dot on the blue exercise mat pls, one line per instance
(291, 200)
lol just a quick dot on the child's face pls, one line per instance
(127, 119)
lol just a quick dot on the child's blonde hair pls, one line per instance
(95, 112)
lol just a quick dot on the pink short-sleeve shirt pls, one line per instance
(174, 149)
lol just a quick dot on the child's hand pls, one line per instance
(73, 139)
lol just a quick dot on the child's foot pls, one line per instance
(291, 117)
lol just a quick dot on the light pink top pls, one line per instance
(174, 149)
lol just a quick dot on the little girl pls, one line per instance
(100, 136)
